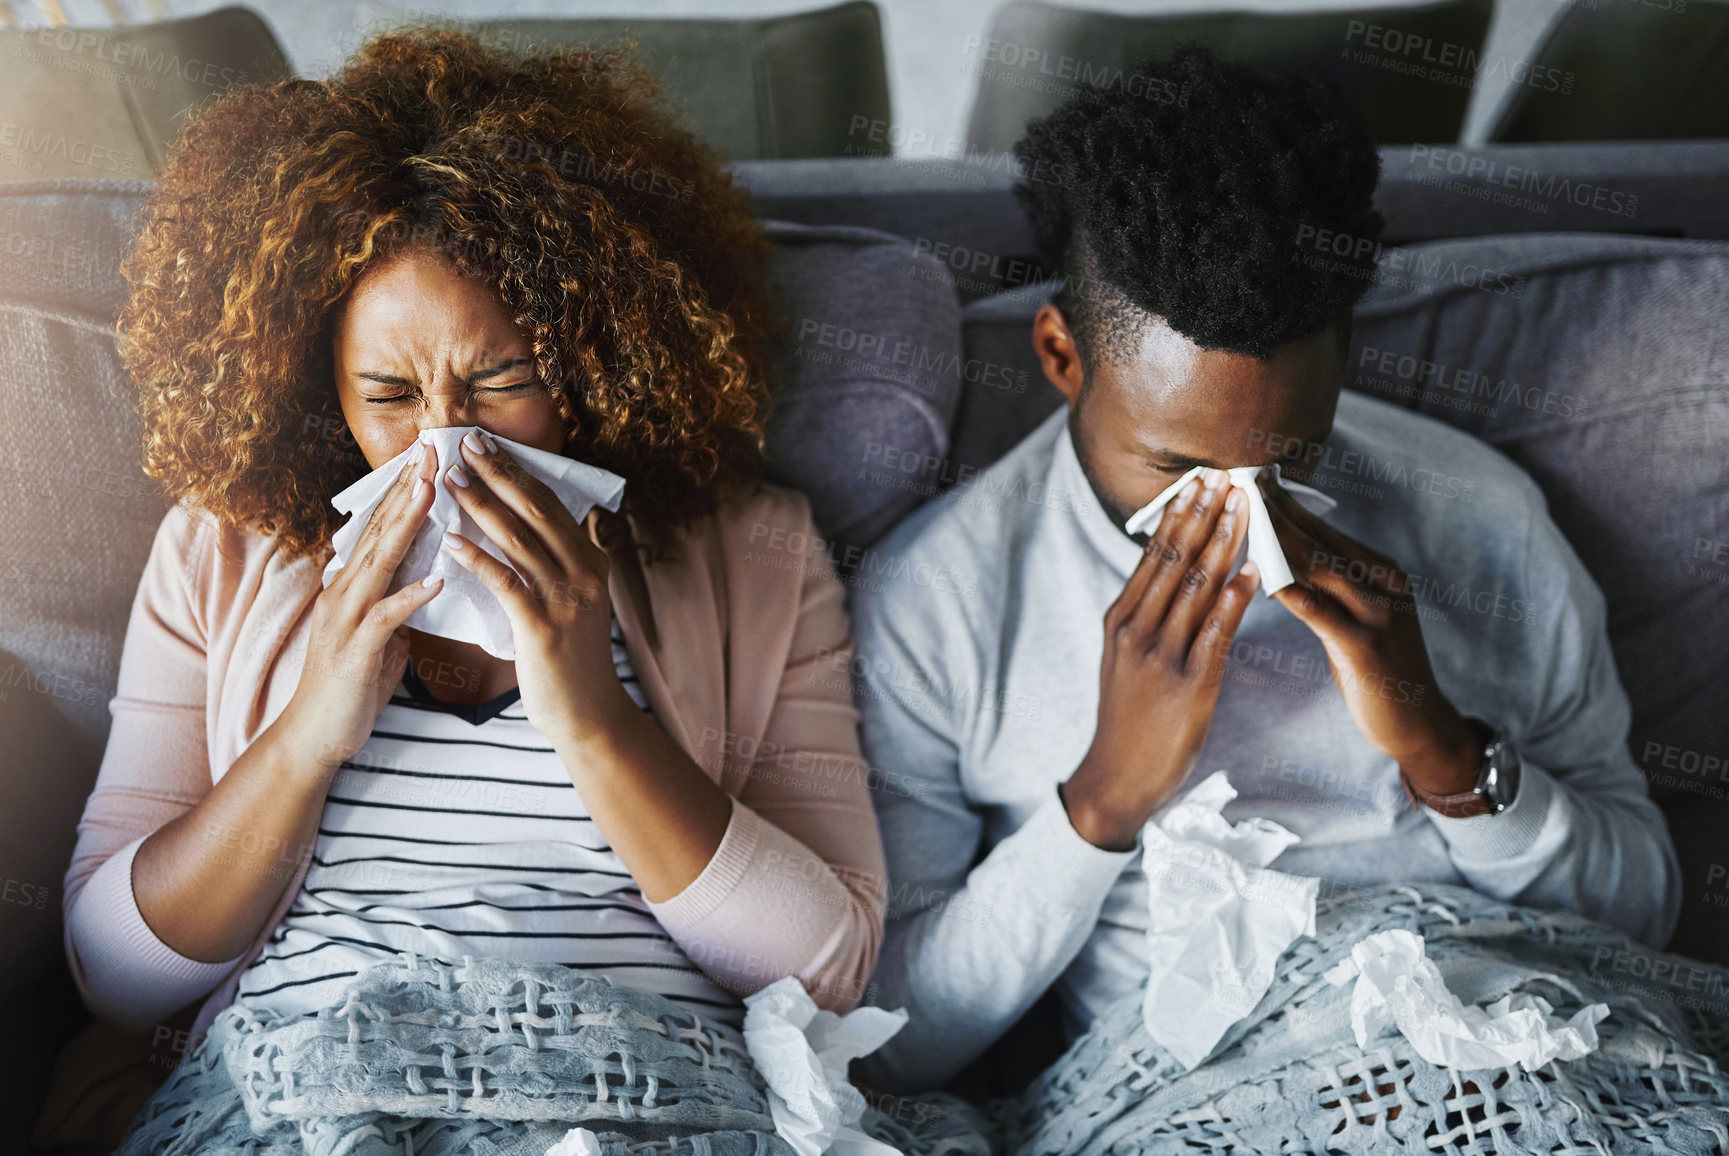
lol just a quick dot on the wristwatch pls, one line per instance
(1497, 782)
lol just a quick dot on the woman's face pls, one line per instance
(419, 346)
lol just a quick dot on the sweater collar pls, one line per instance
(1119, 551)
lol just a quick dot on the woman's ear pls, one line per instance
(1054, 343)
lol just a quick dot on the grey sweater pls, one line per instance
(979, 695)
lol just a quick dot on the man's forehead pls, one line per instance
(1191, 406)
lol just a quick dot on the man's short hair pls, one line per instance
(1200, 194)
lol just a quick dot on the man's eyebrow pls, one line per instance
(1175, 458)
(1189, 462)
(477, 375)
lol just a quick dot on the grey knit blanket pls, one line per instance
(490, 1058)
(495, 1058)
(1290, 1077)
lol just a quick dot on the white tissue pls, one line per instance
(1399, 986)
(576, 1142)
(1262, 542)
(1218, 918)
(464, 609)
(802, 1052)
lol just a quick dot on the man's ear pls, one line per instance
(1054, 342)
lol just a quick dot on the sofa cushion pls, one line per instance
(867, 376)
(75, 531)
(798, 84)
(1000, 408)
(108, 102)
(80, 516)
(1597, 363)
(1647, 71)
(1035, 54)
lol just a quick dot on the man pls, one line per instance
(1434, 699)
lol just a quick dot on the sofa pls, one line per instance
(1607, 379)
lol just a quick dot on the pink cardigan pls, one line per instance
(739, 635)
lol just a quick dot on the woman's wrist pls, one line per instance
(599, 725)
(281, 742)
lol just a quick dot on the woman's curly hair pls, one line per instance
(614, 239)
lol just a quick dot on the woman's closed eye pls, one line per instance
(496, 390)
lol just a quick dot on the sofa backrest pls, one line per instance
(108, 102)
(1035, 53)
(804, 84)
(1648, 71)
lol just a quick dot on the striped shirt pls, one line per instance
(456, 830)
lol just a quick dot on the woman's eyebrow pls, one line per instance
(494, 371)
(477, 375)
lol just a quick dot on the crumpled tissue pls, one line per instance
(1219, 918)
(802, 1052)
(577, 1142)
(1261, 544)
(1399, 986)
(464, 609)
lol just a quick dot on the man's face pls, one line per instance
(1163, 405)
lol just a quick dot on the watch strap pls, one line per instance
(1465, 804)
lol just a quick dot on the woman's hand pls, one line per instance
(553, 591)
(358, 649)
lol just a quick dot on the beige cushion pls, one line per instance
(108, 102)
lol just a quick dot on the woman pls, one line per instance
(664, 786)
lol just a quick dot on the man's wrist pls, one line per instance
(1098, 824)
(1452, 766)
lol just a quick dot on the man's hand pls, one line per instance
(1167, 637)
(1358, 602)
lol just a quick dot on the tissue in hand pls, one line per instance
(1218, 917)
(803, 1053)
(1262, 542)
(464, 609)
(1399, 986)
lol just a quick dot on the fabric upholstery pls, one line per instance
(806, 84)
(108, 102)
(1657, 70)
(1035, 54)
(868, 372)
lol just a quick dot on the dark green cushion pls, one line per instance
(805, 85)
(1650, 70)
(1409, 69)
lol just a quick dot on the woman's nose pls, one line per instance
(440, 413)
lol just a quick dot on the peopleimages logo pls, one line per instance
(139, 57)
(1442, 60)
(1442, 378)
(1474, 167)
(57, 146)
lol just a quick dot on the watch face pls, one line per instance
(1501, 776)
